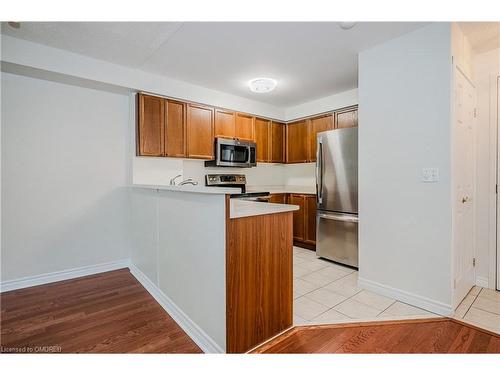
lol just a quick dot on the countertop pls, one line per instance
(242, 208)
(280, 189)
(190, 189)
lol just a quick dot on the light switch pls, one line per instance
(430, 174)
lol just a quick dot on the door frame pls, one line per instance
(494, 258)
(457, 70)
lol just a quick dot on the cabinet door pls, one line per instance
(151, 126)
(278, 198)
(298, 216)
(297, 142)
(245, 127)
(175, 128)
(310, 219)
(200, 131)
(224, 123)
(346, 118)
(316, 125)
(277, 152)
(262, 138)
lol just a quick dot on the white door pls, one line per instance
(463, 177)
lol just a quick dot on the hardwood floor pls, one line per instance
(106, 313)
(441, 335)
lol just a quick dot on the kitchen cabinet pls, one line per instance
(200, 131)
(245, 127)
(347, 118)
(277, 152)
(297, 142)
(280, 198)
(316, 125)
(263, 138)
(304, 220)
(310, 219)
(151, 126)
(225, 122)
(175, 128)
(298, 216)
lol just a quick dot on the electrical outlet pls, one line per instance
(430, 174)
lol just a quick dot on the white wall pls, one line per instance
(185, 264)
(405, 125)
(486, 71)
(65, 166)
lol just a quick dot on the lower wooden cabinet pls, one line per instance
(310, 220)
(304, 220)
(278, 198)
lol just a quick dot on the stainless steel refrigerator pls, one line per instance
(337, 196)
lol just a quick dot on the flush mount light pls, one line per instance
(14, 25)
(262, 85)
(347, 25)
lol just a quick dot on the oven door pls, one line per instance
(234, 153)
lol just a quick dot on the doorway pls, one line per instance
(463, 204)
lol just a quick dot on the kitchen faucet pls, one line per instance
(188, 181)
(172, 180)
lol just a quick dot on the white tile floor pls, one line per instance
(481, 308)
(326, 292)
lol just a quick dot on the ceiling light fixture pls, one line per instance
(262, 85)
(14, 25)
(347, 25)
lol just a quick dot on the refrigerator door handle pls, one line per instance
(339, 217)
(319, 172)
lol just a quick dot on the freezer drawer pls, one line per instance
(337, 237)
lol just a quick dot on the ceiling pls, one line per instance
(483, 36)
(308, 59)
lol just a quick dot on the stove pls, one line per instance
(238, 181)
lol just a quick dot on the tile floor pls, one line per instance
(326, 292)
(481, 307)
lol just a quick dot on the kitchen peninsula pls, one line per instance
(221, 267)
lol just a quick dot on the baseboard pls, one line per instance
(52, 277)
(199, 336)
(403, 296)
(482, 282)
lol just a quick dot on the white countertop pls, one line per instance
(190, 189)
(279, 189)
(243, 208)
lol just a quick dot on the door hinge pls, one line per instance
(496, 189)
(473, 262)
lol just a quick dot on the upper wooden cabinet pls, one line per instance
(225, 122)
(347, 118)
(151, 126)
(245, 127)
(263, 139)
(175, 128)
(200, 131)
(297, 142)
(316, 125)
(277, 152)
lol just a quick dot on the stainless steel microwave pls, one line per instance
(233, 153)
